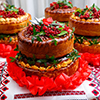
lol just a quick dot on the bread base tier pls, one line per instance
(61, 15)
(11, 28)
(13, 41)
(86, 48)
(85, 28)
(46, 47)
(68, 70)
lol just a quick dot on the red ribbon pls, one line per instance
(5, 49)
(40, 86)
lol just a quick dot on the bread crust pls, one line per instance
(61, 15)
(69, 70)
(46, 47)
(95, 49)
(14, 26)
(90, 27)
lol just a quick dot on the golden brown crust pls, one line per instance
(14, 26)
(61, 15)
(47, 47)
(84, 27)
(69, 70)
(86, 48)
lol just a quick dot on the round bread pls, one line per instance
(70, 69)
(90, 27)
(9, 39)
(95, 49)
(46, 47)
(61, 15)
(14, 25)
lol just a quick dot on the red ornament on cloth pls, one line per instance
(5, 49)
(47, 21)
(43, 84)
(92, 59)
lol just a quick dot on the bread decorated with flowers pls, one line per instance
(60, 11)
(12, 21)
(87, 32)
(46, 49)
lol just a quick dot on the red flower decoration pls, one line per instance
(43, 84)
(47, 21)
(6, 49)
(70, 2)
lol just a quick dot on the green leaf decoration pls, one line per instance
(80, 39)
(39, 39)
(16, 49)
(70, 36)
(1, 16)
(27, 24)
(2, 36)
(73, 55)
(13, 59)
(73, 30)
(41, 33)
(4, 5)
(60, 28)
(10, 8)
(34, 31)
(55, 42)
(10, 39)
(31, 62)
(78, 10)
(52, 58)
(51, 36)
(62, 33)
(32, 39)
(97, 8)
(41, 60)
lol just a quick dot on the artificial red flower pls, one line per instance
(70, 2)
(5, 49)
(65, 7)
(47, 21)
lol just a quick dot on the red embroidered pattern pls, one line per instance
(52, 93)
(3, 80)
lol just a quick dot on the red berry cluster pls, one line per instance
(30, 29)
(51, 31)
(96, 14)
(10, 14)
(56, 5)
(86, 16)
(48, 30)
(77, 13)
(21, 11)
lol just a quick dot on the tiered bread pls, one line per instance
(47, 49)
(60, 11)
(12, 21)
(87, 31)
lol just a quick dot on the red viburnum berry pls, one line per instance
(94, 10)
(77, 13)
(86, 6)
